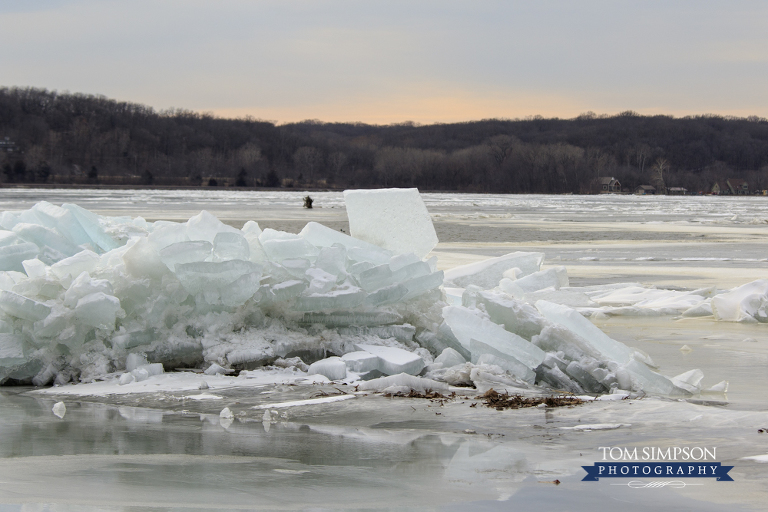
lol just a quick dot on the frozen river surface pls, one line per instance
(167, 451)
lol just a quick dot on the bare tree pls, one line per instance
(336, 162)
(501, 147)
(659, 168)
(307, 160)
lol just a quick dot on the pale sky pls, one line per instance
(393, 61)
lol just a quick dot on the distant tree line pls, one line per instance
(50, 137)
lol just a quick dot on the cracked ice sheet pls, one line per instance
(186, 381)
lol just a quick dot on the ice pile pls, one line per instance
(536, 341)
(84, 297)
(80, 294)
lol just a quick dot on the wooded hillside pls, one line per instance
(55, 137)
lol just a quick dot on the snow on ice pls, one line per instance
(120, 300)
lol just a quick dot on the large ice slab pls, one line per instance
(555, 278)
(360, 361)
(22, 307)
(323, 236)
(393, 360)
(607, 347)
(395, 219)
(487, 273)
(63, 221)
(466, 326)
(90, 223)
(482, 353)
(517, 317)
(12, 256)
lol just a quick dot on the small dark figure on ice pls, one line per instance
(307, 202)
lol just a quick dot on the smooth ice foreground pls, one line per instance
(85, 297)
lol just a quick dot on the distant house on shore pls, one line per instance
(676, 191)
(737, 186)
(608, 185)
(731, 187)
(645, 190)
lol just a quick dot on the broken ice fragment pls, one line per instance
(251, 228)
(201, 276)
(230, 246)
(153, 369)
(417, 384)
(555, 278)
(360, 361)
(59, 409)
(69, 268)
(278, 250)
(338, 299)
(332, 367)
(22, 307)
(84, 285)
(63, 221)
(584, 378)
(439, 341)
(287, 290)
(557, 338)
(134, 360)
(135, 339)
(704, 308)
(393, 360)
(402, 333)
(517, 317)
(90, 224)
(215, 369)
(205, 226)
(556, 378)
(185, 252)
(34, 267)
(142, 260)
(11, 350)
(689, 381)
(422, 284)
(45, 237)
(98, 310)
(320, 281)
(720, 387)
(140, 374)
(450, 357)
(12, 256)
(387, 295)
(347, 318)
(645, 379)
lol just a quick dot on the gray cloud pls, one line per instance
(372, 60)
